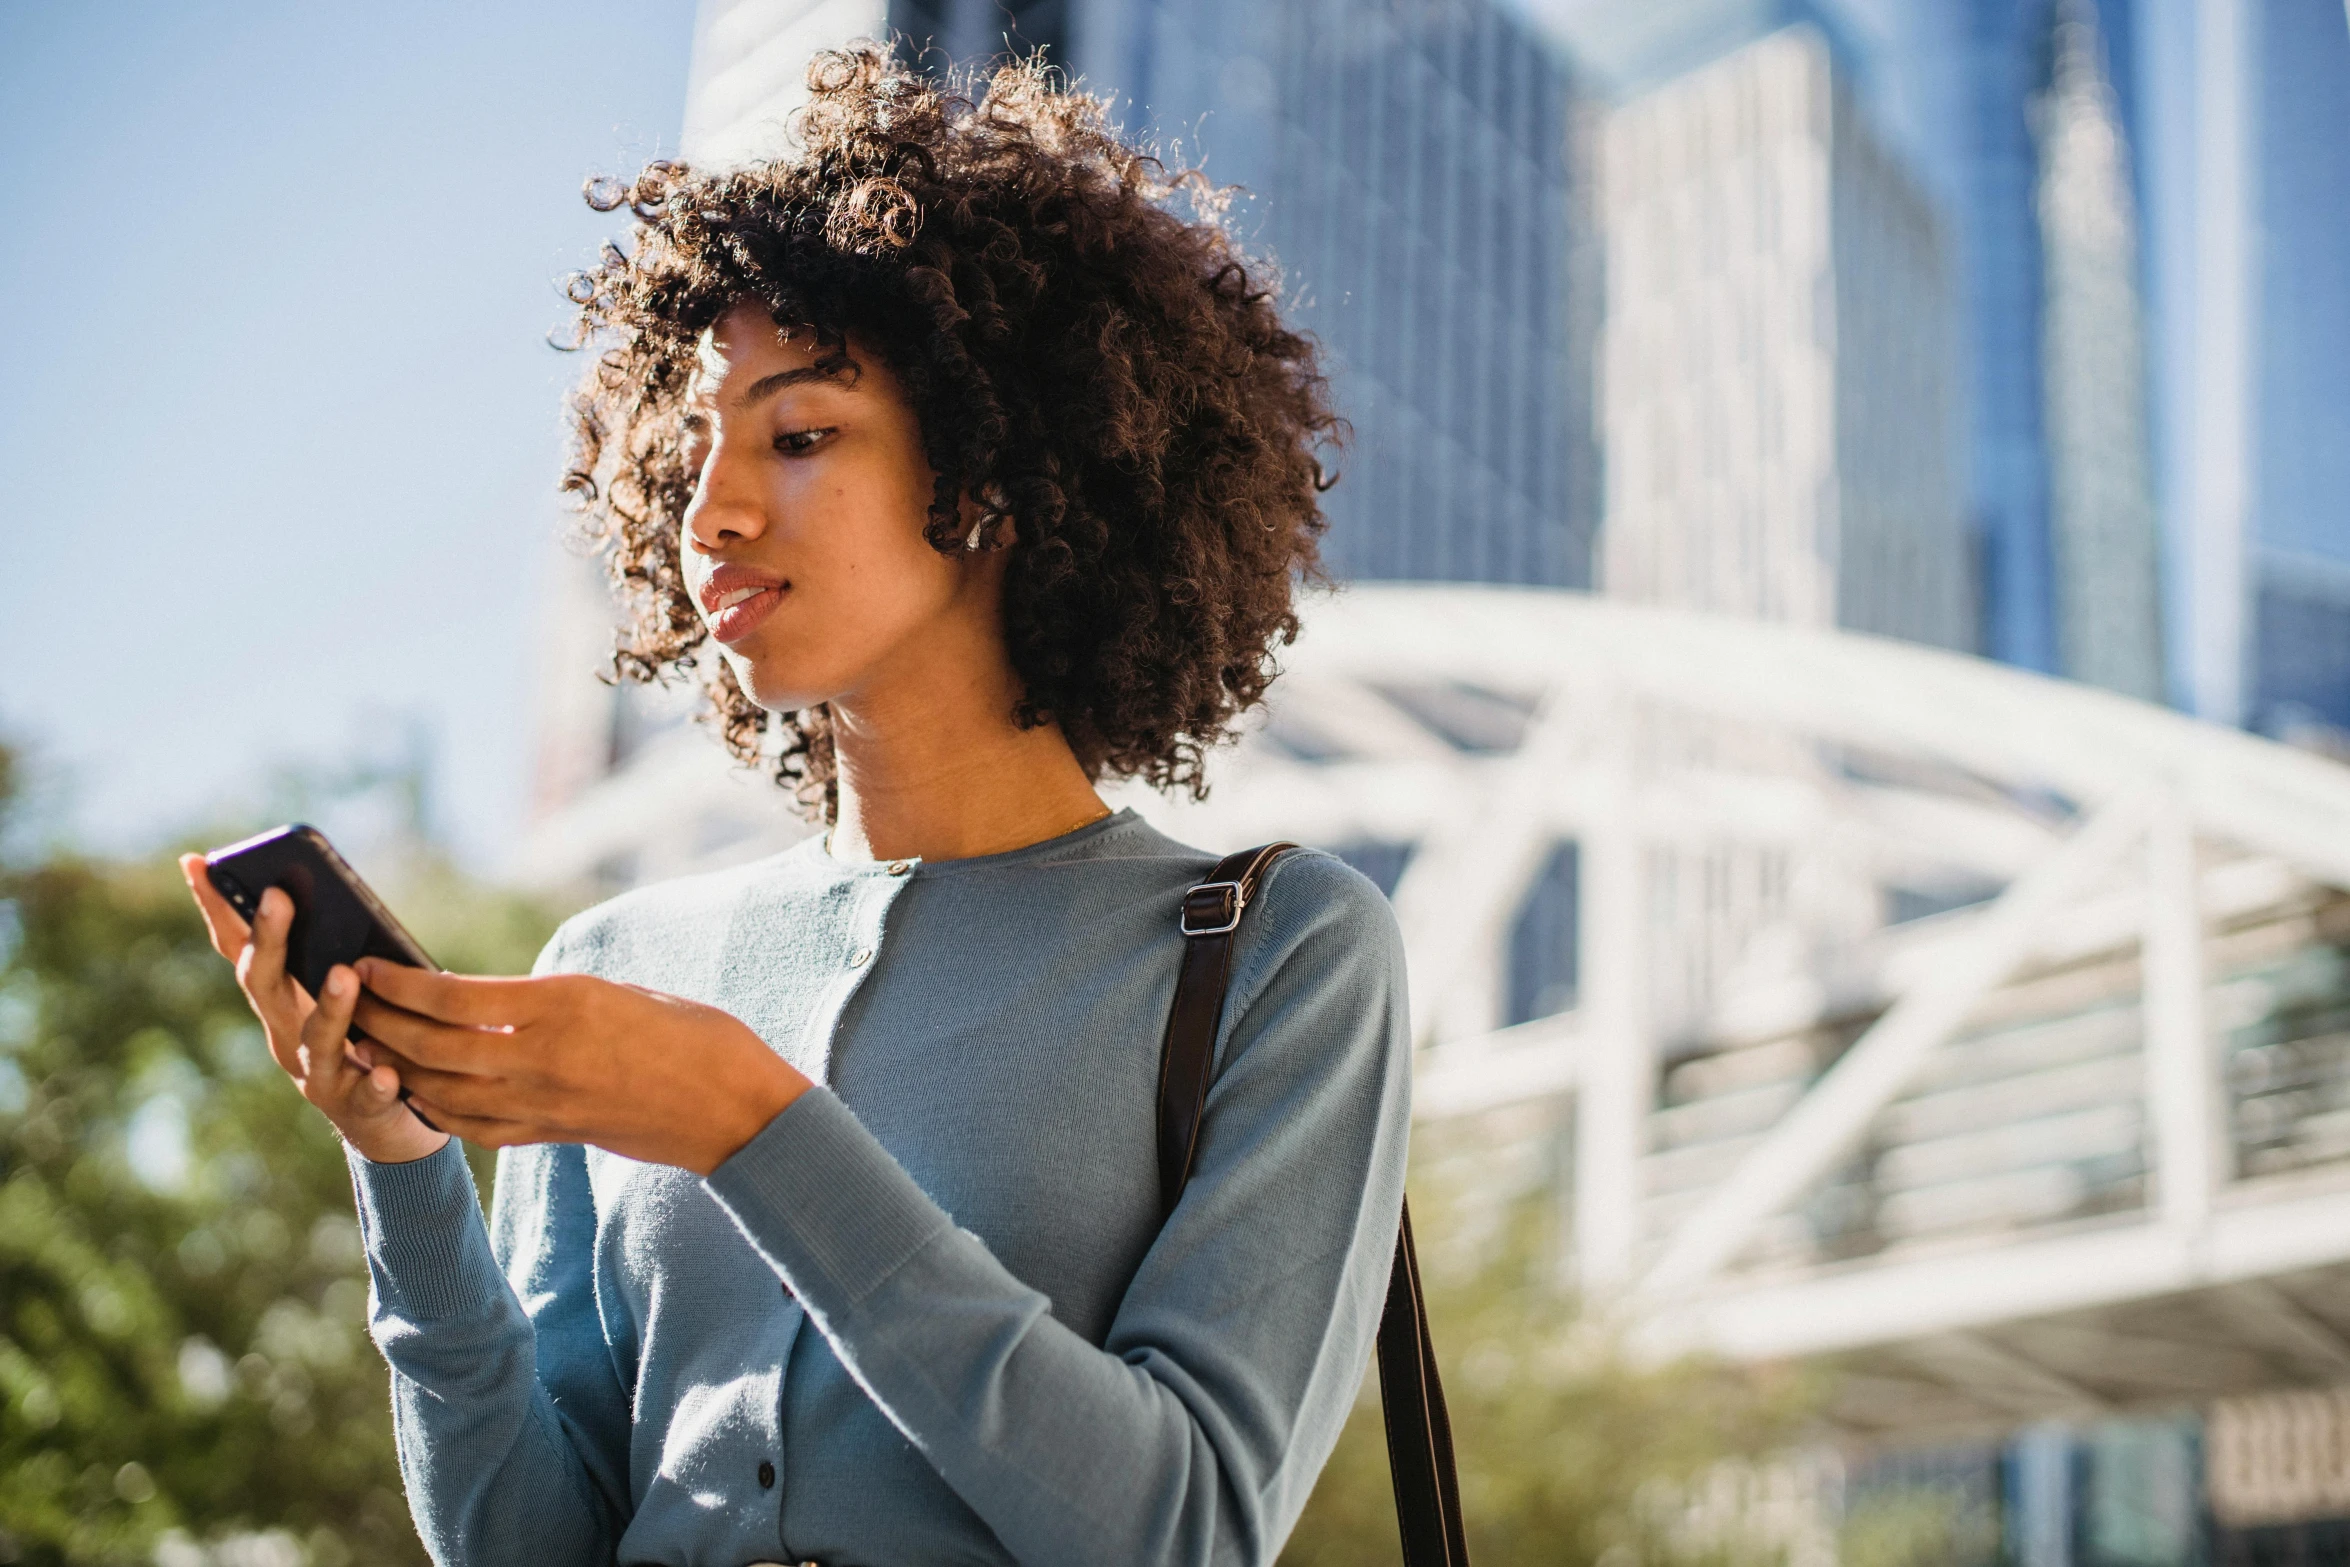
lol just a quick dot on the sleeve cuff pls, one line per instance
(825, 1203)
(427, 1249)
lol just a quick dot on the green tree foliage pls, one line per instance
(182, 1297)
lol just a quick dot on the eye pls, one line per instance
(799, 443)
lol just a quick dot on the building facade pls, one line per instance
(2300, 633)
(1777, 394)
(2246, 122)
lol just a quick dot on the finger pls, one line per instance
(452, 1047)
(482, 1002)
(327, 1067)
(222, 922)
(375, 1090)
(263, 971)
(375, 1067)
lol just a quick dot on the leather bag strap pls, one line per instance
(1187, 1057)
(1411, 1397)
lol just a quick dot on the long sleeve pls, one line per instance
(1194, 1433)
(511, 1423)
(502, 1421)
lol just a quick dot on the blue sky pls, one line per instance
(279, 427)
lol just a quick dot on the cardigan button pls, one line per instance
(766, 1475)
(900, 867)
(860, 957)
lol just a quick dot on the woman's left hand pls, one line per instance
(567, 1058)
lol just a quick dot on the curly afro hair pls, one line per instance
(1105, 373)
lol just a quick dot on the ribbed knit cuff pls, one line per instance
(427, 1247)
(825, 1203)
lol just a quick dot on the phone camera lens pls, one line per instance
(232, 889)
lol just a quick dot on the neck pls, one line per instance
(947, 775)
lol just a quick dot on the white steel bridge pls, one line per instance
(1984, 1035)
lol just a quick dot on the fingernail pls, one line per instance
(339, 982)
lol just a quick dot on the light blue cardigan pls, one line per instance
(929, 1314)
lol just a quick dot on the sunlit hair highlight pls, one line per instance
(1090, 358)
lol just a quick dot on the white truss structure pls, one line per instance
(2108, 826)
(2069, 1214)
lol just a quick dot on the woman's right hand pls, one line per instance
(308, 1036)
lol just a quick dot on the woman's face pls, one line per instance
(803, 545)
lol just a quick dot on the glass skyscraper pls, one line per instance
(2244, 112)
(2045, 194)
(2300, 453)
(2103, 539)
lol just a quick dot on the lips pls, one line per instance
(736, 598)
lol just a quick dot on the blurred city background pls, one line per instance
(1843, 669)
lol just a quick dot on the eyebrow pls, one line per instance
(768, 385)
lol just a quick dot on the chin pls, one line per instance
(776, 690)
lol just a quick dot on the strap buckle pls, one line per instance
(1211, 902)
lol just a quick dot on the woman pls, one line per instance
(827, 1222)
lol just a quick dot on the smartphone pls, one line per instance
(337, 917)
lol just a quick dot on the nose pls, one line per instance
(727, 506)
